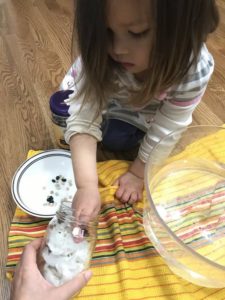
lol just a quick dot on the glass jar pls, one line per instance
(59, 110)
(67, 247)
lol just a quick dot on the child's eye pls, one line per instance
(138, 34)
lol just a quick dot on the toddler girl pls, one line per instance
(143, 69)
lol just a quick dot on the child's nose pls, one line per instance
(119, 46)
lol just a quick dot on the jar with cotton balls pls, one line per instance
(68, 246)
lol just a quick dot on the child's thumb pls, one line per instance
(75, 285)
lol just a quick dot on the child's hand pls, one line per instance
(130, 188)
(131, 183)
(86, 203)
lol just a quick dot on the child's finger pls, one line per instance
(119, 192)
(140, 196)
(116, 182)
(126, 196)
(133, 198)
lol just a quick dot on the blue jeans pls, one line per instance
(120, 136)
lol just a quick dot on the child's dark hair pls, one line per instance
(181, 28)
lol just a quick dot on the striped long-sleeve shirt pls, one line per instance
(167, 112)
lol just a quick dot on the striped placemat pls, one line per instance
(125, 264)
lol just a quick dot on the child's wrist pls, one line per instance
(88, 185)
(137, 168)
(136, 175)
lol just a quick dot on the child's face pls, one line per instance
(129, 30)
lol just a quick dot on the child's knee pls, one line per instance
(112, 142)
(119, 135)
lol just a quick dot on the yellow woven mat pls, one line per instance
(125, 264)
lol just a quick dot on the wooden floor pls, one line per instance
(35, 40)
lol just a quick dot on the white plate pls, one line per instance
(33, 183)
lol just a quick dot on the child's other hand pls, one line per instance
(130, 188)
(86, 203)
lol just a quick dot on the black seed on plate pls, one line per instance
(50, 199)
(53, 180)
(63, 179)
(57, 177)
